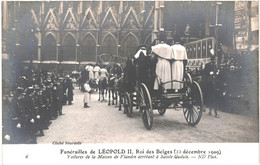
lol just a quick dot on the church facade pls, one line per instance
(64, 35)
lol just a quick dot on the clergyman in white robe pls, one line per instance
(163, 66)
(179, 56)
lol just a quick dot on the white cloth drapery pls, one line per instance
(163, 70)
(163, 50)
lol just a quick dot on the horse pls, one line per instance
(102, 86)
(115, 73)
(112, 93)
(120, 87)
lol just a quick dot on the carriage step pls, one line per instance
(173, 95)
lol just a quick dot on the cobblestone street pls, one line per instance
(105, 124)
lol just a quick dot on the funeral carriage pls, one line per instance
(147, 90)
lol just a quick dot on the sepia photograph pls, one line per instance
(130, 72)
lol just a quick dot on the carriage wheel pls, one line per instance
(146, 107)
(187, 79)
(128, 108)
(193, 104)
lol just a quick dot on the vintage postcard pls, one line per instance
(130, 82)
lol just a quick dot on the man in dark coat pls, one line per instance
(210, 85)
(69, 90)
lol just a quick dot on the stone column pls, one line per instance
(42, 8)
(77, 52)
(208, 21)
(39, 45)
(5, 15)
(61, 7)
(161, 28)
(100, 10)
(80, 7)
(156, 14)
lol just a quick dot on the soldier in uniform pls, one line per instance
(49, 98)
(56, 100)
(61, 94)
(44, 108)
(38, 110)
(30, 127)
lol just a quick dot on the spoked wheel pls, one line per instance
(187, 79)
(193, 104)
(146, 107)
(128, 108)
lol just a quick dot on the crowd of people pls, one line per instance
(31, 102)
(228, 86)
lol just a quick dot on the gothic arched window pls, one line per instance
(49, 48)
(69, 49)
(88, 49)
(148, 40)
(130, 45)
(109, 45)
